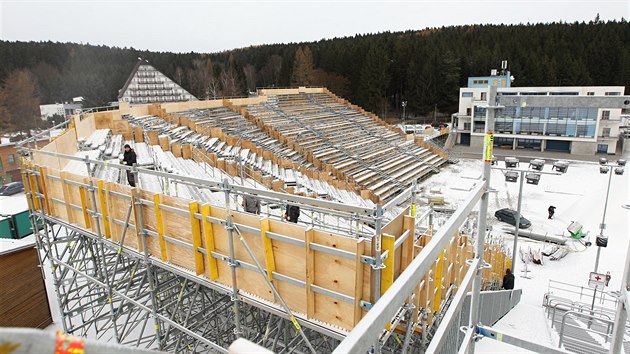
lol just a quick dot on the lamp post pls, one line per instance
(532, 177)
(602, 241)
(404, 105)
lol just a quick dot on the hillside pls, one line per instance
(376, 71)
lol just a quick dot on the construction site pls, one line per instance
(176, 264)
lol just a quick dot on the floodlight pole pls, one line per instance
(518, 222)
(602, 226)
(475, 303)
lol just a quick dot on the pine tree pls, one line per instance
(303, 69)
(20, 102)
(374, 79)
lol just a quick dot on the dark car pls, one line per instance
(12, 188)
(509, 216)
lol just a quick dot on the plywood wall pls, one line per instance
(315, 283)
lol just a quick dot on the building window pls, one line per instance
(590, 93)
(467, 94)
(613, 93)
(606, 133)
(11, 159)
(605, 115)
(466, 126)
(483, 96)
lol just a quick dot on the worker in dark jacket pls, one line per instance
(129, 159)
(292, 214)
(508, 280)
(551, 210)
(251, 204)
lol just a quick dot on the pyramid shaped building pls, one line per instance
(146, 84)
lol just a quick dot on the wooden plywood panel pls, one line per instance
(336, 274)
(55, 190)
(149, 220)
(177, 226)
(118, 209)
(73, 197)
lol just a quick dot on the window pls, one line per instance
(468, 111)
(466, 126)
(605, 115)
(483, 96)
(480, 82)
(11, 159)
(590, 93)
(606, 133)
(467, 94)
(613, 93)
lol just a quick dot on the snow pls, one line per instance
(579, 195)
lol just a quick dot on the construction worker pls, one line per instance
(508, 280)
(251, 204)
(292, 214)
(551, 210)
(129, 159)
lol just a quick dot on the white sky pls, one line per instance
(210, 26)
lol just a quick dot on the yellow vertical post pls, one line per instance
(387, 274)
(44, 190)
(103, 203)
(157, 201)
(196, 235)
(358, 281)
(25, 182)
(66, 197)
(84, 210)
(208, 234)
(269, 258)
(310, 273)
(438, 282)
(33, 188)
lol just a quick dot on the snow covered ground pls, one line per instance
(579, 195)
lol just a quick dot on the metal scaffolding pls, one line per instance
(116, 294)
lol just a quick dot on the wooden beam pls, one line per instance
(437, 300)
(66, 196)
(268, 245)
(387, 274)
(193, 207)
(44, 190)
(208, 234)
(358, 281)
(84, 207)
(310, 273)
(104, 212)
(157, 201)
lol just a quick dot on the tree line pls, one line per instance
(377, 71)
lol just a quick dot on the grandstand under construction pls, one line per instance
(175, 264)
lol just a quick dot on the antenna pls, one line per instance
(504, 65)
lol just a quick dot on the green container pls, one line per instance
(22, 224)
(6, 231)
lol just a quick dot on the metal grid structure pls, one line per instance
(112, 293)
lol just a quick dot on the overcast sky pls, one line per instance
(211, 26)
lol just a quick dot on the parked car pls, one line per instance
(12, 188)
(509, 216)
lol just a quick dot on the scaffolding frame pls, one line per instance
(112, 293)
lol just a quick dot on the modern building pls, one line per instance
(147, 85)
(579, 120)
(62, 109)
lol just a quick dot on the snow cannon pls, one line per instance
(577, 231)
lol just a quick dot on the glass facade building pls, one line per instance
(550, 121)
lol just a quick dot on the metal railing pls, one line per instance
(448, 338)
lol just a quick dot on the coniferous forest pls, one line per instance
(377, 71)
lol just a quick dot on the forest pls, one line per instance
(378, 71)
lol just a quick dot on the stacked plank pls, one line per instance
(346, 142)
(228, 141)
